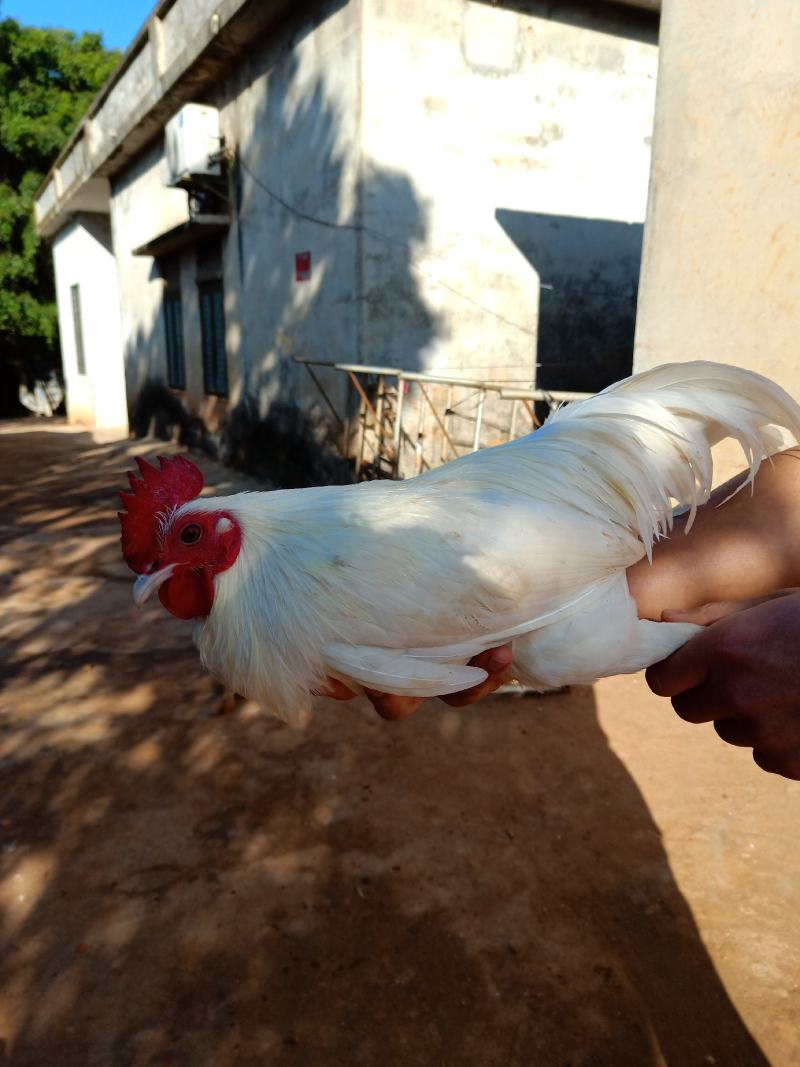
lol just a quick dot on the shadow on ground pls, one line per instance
(182, 888)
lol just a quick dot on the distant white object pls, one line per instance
(192, 137)
(44, 398)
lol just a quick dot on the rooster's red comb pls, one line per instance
(157, 492)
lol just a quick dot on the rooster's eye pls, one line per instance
(191, 534)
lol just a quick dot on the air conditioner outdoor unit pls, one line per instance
(192, 136)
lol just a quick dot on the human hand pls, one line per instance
(741, 673)
(495, 661)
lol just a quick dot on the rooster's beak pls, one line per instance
(146, 584)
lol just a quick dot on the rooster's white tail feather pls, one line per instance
(642, 448)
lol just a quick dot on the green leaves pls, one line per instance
(48, 78)
(47, 81)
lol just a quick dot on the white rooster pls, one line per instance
(396, 585)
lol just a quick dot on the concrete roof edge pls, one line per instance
(105, 89)
(259, 15)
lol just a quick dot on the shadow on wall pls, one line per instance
(482, 889)
(606, 16)
(588, 272)
(294, 188)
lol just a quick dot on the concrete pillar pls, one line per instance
(721, 268)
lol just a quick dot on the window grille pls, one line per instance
(212, 328)
(173, 324)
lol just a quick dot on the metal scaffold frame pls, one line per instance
(379, 430)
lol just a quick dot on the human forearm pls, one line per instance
(746, 547)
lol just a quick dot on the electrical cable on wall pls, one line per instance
(357, 227)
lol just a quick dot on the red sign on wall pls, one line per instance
(302, 266)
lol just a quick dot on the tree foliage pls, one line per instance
(48, 77)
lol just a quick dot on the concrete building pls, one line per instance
(457, 188)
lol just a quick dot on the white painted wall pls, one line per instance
(83, 256)
(721, 269)
(292, 112)
(487, 134)
(142, 207)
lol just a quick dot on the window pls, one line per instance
(212, 317)
(77, 325)
(212, 328)
(173, 324)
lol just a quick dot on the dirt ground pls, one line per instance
(579, 880)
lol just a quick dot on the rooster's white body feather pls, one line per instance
(395, 585)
